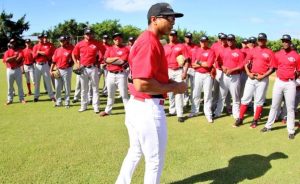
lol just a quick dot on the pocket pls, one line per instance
(158, 110)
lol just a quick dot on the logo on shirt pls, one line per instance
(265, 55)
(177, 48)
(120, 53)
(234, 54)
(93, 46)
(205, 54)
(291, 59)
(66, 54)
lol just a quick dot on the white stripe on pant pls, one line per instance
(146, 125)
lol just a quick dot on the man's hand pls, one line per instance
(259, 77)
(251, 75)
(179, 87)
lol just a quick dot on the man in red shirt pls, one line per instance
(85, 55)
(231, 65)
(145, 117)
(28, 65)
(261, 59)
(42, 53)
(62, 61)
(13, 60)
(287, 64)
(131, 41)
(116, 58)
(176, 72)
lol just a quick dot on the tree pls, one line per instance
(108, 27)
(10, 29)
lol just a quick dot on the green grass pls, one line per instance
(43, 144)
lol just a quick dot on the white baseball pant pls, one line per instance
(176, 101)
(12, 76)
(64, 80)
(42, 70)
(29, 73)
(255, 88)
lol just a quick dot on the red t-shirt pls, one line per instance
(114, 51)
(44, 47)
(204, 55)
(218, 49)
(87, 52)
(245, 51)
(63, 57)
(13, 63)
(262, 59)
(147, 61)
(172, 51)
(287, 64)
(233, 58)
(28, 56)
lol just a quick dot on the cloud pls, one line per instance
(130, 5)
(53, 3)
(256, 20)
(287, 13)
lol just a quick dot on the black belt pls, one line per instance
(157, 96)
(42, 63)
(90, 66)
(14, 68)
(29, 64)
(116, 72)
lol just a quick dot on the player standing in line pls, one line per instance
(103, 70)
(145, 117)
(261, 59)
(130, 42)
(177, 73)
(202, 61)
(287, 64)
(28, 65)
(13, 60)
(244, 75)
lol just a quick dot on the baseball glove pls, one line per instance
(56, 74)
(180, 60)
(78, 71)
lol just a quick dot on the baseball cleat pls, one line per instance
(291, 136)
(181, 119)
(253, 124)
(238, 123)
(265, 129)
(103, 113)
(8, 103)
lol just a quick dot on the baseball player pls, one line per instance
(202, 62)
(232, 62)
(28, 65)
(42, 53)
(13, 60)
(287, 64)
(176, 72)
(103, 71)
(116, 57)
(84, 54)
(252, 42)
(244, 76)
(62, 61)
(191, 47)
(131, 41)
(245, 47)
(145, 117)
(260, 61)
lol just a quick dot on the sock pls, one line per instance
(243, 110)
(29, 88)
(258, 111)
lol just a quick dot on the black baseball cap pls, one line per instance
(131, 38)
(117, 34)
(105, 36)
(62, 38)
(45, 35)
(262, 36)
(188, 35)
(27, 41)
(245, 40)
(88, 31)
(12, 40)
(286, 37)
(173, 32)
(162, 9)
(203, 38)
(230, 37)
(222, 36)
(252, 39)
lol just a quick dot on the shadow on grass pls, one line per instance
(239, 168)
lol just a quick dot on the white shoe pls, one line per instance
(82, 109)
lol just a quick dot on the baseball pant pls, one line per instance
(29, 73)
(216, 91)
(147, 130)
(42, 70)
(188, 96)
(257, 89)
(176, 101)
(12, 76)
(114, 81)
(64, 80)
(77, 88)
(103, 72)
(243, 78)
(284, 110)
(205, 82)
(288, 90)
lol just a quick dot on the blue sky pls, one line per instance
(243, 18)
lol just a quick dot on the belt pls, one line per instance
(90, 66)
(286, 80)
(161, 101)
(41, 63)
(29, 64)
(63, 68)
(13, 68)
(176, 68)
(116, 72)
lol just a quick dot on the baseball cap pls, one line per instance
(230, 37)
(62, 38)
(173, 32)
(222, 36)
(286, 37)
(131, 38)
(27, 40)
(88, 31)
(12, 40)
(117, 34)
(164, 9)
(245, 40)
(105, 36)
(188, 35)
(40, 35)
(203, 38)
(252, 39)
(262, 36)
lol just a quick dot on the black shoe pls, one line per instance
(35, 100)
(169, 114)
(265, 129)
(181, 119)
(75, 101)
(238, 123)
(291, 136)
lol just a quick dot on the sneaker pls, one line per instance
(170, 114)
(291, 136)
(181, 119)
(265, 129)
(8, 103)
(35, 100)
(253, 124)
(103, 113)
(23, 102)
(75, 101)
(238, 123)
(82, 109)
(96, 111)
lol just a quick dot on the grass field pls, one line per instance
(43, 144)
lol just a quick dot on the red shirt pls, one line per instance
(191, 48)
(172, 51)
(233, 58)
(245, 51)
(147, 61)
(114, 51)
(204, 55)
(44, 47)
(87, 52)
(63, 57)
(218, 49)
(13, 63)
(28, 56)
(262, 59)
(287, 64)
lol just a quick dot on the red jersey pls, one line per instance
(147, 61)
(62, 57)
(191, 49)
(261, 59)
(172, 51)
(28, 56)
(287, 63)
(218, 49)
(44, 47)
(13, 63)
(87, 52)
(233, 58)
(245, 51)
(114, 51)
(204, 55)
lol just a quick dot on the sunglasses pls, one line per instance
(169, 18)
